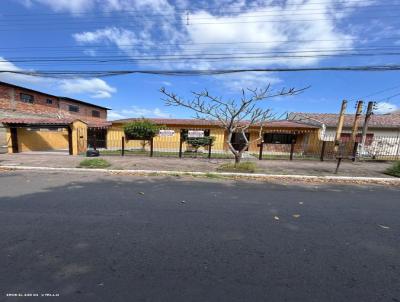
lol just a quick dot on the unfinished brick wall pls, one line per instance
(10, 102)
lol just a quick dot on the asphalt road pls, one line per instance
(112, 238)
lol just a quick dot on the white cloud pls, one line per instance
(236, 82)
(229, 28)
(73, 6)
(135, 111)
(97, 88)
(79, 6)
(94, 87)
(122, 38)
(13, 77)
(385, 107)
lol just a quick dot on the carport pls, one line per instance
(46, 134)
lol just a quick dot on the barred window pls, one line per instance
(73, 108)
(26, 98)
(95, 113)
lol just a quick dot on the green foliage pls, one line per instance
(94, 163)
(394, 170)
(143, 129)
(244, 167)
(197, 142)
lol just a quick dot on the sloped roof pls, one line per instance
(203, 122)
(51, 121)
(54, 96)
(36, 121)
(331, 119)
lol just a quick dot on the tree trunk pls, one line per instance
(238, 158)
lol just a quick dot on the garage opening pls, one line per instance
(36, 136)
(44, 139)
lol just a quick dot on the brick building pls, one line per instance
(40, 121)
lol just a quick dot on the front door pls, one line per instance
(97, 138)
(14, 140)
(238, 141)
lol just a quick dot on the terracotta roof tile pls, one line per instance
(331, 119)
(202, 122)
(52, 121)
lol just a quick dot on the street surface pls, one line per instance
(82, 237)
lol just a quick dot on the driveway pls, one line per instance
(110, 238)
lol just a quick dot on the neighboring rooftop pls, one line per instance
(331, 119)
(203, 122)
(54, 96)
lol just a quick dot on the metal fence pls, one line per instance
(155, 148)
(312, 148)
(374, 148)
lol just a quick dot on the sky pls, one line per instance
(92, 35)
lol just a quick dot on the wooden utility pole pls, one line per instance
(368, 115)
(354, 130)
(340, 125)
(366, 121)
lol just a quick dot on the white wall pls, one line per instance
(386, 142)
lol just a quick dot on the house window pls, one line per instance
(346, 137)
(95, 113)
(49, 101)
(279, 138)
(26, 98)
(73, 108)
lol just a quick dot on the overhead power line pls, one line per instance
(78, 26)
(197, 43)
(389, 97)
(206, 57)
(198, 72)
(97, 19)
(222, 8)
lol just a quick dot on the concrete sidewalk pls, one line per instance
(275, 167)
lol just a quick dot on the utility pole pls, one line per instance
(368, 115)
(354, 130)
(340, 125)
(356, 121)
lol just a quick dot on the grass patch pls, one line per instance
(212, 175)
(243, 167)
(94, 163)
(394, 170)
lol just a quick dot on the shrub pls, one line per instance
(197, 142)
(245, 167)
(394, 170)
(94, 163)
(142, 129)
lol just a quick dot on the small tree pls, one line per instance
(141, 130)
(234, 116)
(197, 142)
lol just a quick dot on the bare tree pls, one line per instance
(234, 116)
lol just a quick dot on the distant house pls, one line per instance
(383, 135)
(31, 120)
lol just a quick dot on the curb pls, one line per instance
(346, 179)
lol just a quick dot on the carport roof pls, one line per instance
(36, 121)
(51, 121)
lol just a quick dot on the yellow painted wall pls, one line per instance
(42, 140)
(8, 140)
(162, 143)
(79, 137)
